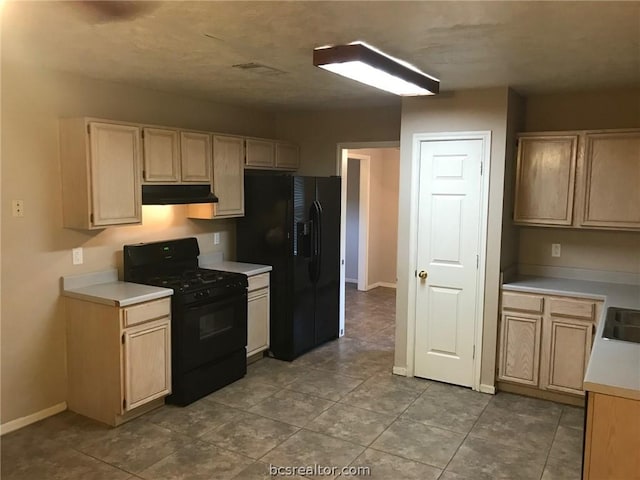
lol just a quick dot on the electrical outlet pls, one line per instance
(18, 208)
(216, 238)
(555, 249)
(77, 256)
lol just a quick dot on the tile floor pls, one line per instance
(338, 405)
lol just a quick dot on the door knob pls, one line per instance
(423, 274)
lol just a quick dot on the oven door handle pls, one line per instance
(214, 302)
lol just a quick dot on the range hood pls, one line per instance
(177, 194)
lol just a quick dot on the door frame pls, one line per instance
(342, 155)
(418, 138)
(363, 217)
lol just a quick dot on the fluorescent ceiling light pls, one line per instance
(368, 65)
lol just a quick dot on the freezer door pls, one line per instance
(303, 289)
(264, 236)
(327, 287)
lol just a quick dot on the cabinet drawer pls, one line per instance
(258, 281)
(561, 307)
(521, 302)
(145, 312)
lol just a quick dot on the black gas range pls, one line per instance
(208, 315)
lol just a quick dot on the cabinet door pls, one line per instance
(287, 156)
(258, 321)
(567, 345)
(520, 348)
(545, 180)
(195, 149)
(161, 155)
(147, 363)
(611, 180)
(115, 182)
(228, 175)
(260, 153)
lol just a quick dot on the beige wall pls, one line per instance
(607, 108)
(319, 132)
(383, 213)
(474, 110)
(598, 250)
(36, 250)
(591, 249)
(511, 233)
(352, 221)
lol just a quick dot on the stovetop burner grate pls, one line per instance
(191, 279)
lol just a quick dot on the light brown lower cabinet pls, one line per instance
(545, 341)
(520, 348)
(566, 346)
(612, 438)
(118, 359)
(258, 307)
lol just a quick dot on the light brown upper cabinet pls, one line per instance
(228, 175)
(586, 179)
(271, 155)
(100, 164)
(545, 179)
(259, 153)
(161, 155)
(611, 180)
(195, 150)
(228, 181)
(287, 156)
(173, 156)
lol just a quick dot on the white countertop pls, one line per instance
(249, 269)
(104, 288)
(614, 365)
(215, 261)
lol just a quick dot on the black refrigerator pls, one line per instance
(293, 224)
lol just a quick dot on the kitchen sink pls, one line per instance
(628, 317)
(622, 324)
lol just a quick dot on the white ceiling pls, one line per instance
(535, 47)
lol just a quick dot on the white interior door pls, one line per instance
(448, 248)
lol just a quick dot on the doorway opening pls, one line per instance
(370, 191)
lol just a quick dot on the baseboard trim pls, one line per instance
(381, 284)
(487, 389)
(350, 280)
(569, 399)
(21, 422)
(402, 371)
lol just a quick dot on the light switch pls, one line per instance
(216, 238)
(555, 249)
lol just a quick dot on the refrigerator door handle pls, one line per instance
(318, 238)
(312, 242)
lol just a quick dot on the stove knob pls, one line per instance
(207, 292)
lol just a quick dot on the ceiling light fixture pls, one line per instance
(366, 64)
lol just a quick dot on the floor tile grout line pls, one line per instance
(377, 449)
(279, 444)
(465, 437)
(546, 460)
(122, 469)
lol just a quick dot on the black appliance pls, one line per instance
(293, 224)
(208, 315)
(177, 194)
